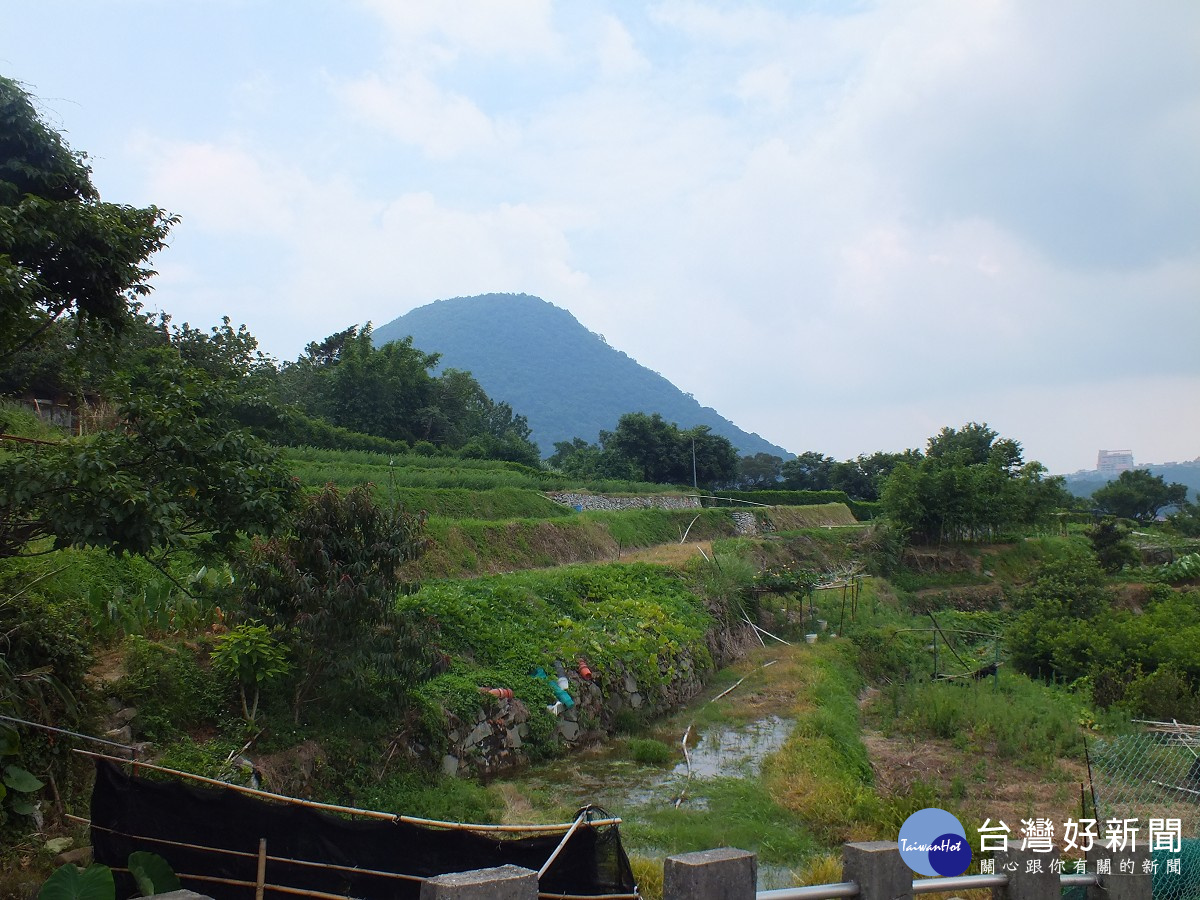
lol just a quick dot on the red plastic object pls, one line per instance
(584, 671)
(502, 693)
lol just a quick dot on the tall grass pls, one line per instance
(1015, 719)
(822, 773)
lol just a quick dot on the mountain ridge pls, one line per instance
(566, 380)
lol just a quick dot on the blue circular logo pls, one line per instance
(933, 842)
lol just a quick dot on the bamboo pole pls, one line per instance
(566, 837)
(315, 865)
(260, 879)
(303, 863)
(349, 810)
(687, 759)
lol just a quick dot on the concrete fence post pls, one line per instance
(500, 883)
(1129, 875)
(724, 874)
(1030, 875)
(878, 870)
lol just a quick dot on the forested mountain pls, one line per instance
(567, 381)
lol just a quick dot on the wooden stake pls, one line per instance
(260, 879)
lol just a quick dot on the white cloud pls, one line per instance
(617, 52)
(449, 29)
(220, 187)
(885, 215)
(415, 110)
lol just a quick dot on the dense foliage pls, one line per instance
(639, 619)
(63, 250)
(176, 471)
(329, 590)
(1137, 494)
(969, 485)
(648, 448)
(389, 391)
(858, 478)
(1068, 628)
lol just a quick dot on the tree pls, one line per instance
(659, 452)
(970, 445)
(63, 252)
(177, 471)
(1186, 520)
(714, 461)
(1138, 494)
(1110, 544)
(969, 485)
(1052, 632)
(389, 391)
(579, 459)
(651, 444)
(330, 591)
(761, 471)
(810, 471)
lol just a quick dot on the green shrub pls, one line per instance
(650, 752)
(171, 689)
(424, 796)
(620, 617)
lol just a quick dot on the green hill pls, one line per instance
(567, 381)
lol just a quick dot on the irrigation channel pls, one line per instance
(713, 795)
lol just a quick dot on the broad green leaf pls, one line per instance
(152, 873)
(10, 741)
(23, 807)
(20, 780)
(70, 882)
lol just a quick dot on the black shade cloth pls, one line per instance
(593, 862)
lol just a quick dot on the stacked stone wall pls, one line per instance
(496, 739)
(584, 501)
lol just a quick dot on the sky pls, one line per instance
(843, 225)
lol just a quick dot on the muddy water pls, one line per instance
(607, 778)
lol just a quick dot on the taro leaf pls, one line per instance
(10, 741)
(23, 807)
(70, 882)
(20, 780)
(152, 873)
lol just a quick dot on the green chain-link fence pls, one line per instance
(1154, 774)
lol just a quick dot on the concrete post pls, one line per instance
(500, 883)
(1030, 875)
(878, 870)
(724, 874)
(1129, 877)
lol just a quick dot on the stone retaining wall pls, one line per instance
(614, 501)
(497, 737)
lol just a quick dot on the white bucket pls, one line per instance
(810, 638)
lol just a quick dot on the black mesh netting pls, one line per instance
(131, 813)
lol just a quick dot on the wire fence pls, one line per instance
(1153, 778)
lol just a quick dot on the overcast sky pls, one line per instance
(841, 224)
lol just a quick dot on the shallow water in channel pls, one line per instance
(608, 778)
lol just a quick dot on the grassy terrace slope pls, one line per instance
(349, 468)
(487, 517)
